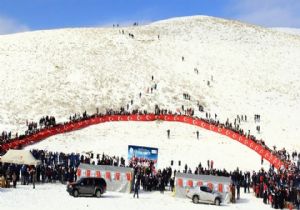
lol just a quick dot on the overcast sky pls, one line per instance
(24, 15)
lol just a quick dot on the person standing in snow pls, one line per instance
(136, 187)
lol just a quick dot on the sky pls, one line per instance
(27, 15)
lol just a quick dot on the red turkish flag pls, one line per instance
(107, 175)
(199, 183)
(78, 172)
(189, 183)
(117, 176)
(180, 182)
(98, 174)
(220, 188)
(128, 176)
(88, 173)
(210, 185)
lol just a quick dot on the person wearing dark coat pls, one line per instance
(136, 188)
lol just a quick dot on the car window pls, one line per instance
(205, 189)
(88, 182)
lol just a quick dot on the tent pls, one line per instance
(19, 157)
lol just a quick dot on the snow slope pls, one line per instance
(59, 72)
(54, 196)
(294, 31)
(252, 70)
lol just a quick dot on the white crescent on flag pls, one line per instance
(175, 118)
(110, 118)
(233, 135)
(194, 122)
(256, 148)
(266, 156)
(119, 118)
(184, 119)
(220, 130)
(147, 117)
(128, 118)
(261, 151)
(251, 145)
(138, 118)
(203, 125)
(166, 118)
(211, 127)
(227, 132)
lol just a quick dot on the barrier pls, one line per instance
(116, 177)
(217, 183)
(72, 126)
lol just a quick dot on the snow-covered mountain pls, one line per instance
(252, 70)
(294, 31)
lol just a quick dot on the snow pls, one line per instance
(59, 72)
(113, 139)
(293, 31)
(255, 70)
(54, 196)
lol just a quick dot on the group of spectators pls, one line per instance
(49, 121)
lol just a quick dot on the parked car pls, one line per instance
(204, 194)
(87, 186)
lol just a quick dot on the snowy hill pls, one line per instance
(252, 70)
(294, 31)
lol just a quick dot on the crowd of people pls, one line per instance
(274, 187)
(49, 121)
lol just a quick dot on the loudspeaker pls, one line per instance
(179, 162)
(172, 162)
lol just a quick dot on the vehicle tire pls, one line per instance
(195, 199)
(75, 193)
(98, 193)
(217, 201)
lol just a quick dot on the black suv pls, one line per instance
(87, 186)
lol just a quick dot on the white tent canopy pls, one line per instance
(19, 157)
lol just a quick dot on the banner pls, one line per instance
(118, 179)
(220, 184)
(72, 126)
(142, 154)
